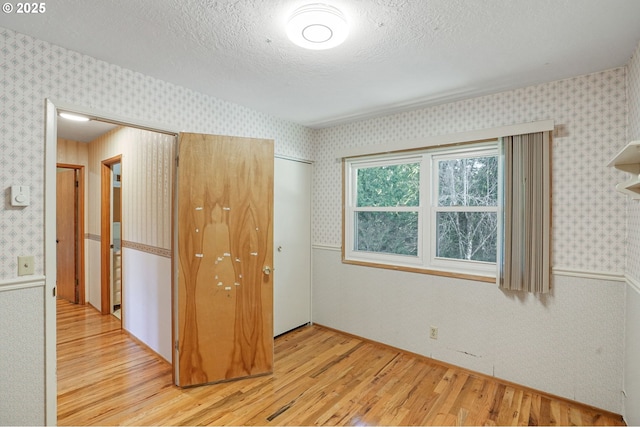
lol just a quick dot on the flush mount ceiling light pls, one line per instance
(74, 117)
(317, 26)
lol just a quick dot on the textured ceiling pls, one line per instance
(401, 54)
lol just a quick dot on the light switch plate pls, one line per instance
(20, 195)
(26, 265)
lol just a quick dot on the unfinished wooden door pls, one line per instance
(66, 239)
(224, 292)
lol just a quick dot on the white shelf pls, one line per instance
(628, 160)
(631, 188)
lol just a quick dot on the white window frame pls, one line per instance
(351, 209)
(425, 261)
(449, 264)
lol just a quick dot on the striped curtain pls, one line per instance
(525, 256)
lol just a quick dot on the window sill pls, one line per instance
(474, 277)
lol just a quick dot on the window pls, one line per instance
(386, 214)
(434, 210)
(465, 209)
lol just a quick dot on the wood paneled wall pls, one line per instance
(147, 176)
(75, 153)
(72, 152)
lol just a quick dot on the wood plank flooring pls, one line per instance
(321, 377)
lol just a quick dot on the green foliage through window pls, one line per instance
(394, 185)
(387, 232)
(437, 209)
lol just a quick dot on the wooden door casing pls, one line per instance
(106, 185)
(224, 240)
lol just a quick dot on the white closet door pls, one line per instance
(292, 245)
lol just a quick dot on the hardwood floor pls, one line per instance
(321, 377)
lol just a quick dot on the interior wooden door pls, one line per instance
(224, 292)
(66, 238)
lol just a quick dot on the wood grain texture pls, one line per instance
(75, 152)
(321, 377)
(106, 184)
(75, 155)
(81, 226)
(148, 159)
(225, 238)
(432, 272)
(66, 234)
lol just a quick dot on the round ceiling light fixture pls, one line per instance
(317, 26)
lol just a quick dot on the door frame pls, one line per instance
(52, 107)
(80, 227)
(106, 183)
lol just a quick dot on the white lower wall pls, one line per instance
(569, 343)
(632, 355)
(92, 273)
(146, 299)
(22, 352)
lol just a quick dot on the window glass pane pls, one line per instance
(394, 185)
(468, 181)
(467, 235)
(387, 232)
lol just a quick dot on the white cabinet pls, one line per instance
(628, 160)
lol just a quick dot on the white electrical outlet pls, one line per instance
(433, 332)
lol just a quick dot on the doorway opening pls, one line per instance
(70, 261)
(116, 237)
(89, 148)
(111, 236)
(243, 265)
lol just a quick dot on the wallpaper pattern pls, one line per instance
(147, 176)
(590, 112)
(589, 217)
(32, 70)
(633, 248)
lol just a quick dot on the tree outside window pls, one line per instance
(434, 209)
(387, 209)
(466, 210)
